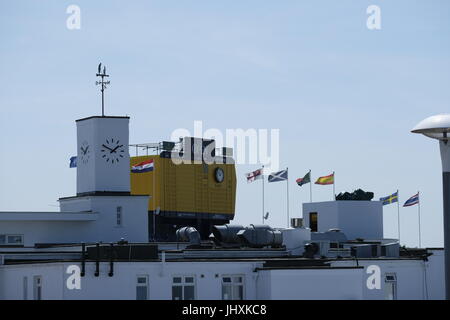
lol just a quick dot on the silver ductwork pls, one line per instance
(189, 234)
(227, 233)
(255, 236)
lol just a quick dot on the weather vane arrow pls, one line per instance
(103, 84)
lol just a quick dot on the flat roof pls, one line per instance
(47, 216)
(103, 117)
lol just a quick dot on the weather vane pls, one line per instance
(103, 83)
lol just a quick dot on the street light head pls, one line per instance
(436, 127)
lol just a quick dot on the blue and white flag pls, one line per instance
(73, 162)
(412, 201)
(278, 176)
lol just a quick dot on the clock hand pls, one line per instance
(114, 150)
(106, 147)
(82, 150)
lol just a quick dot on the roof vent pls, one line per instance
(256, 236)
(189, 234)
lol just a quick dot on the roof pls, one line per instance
(103, 117)
(47, 216)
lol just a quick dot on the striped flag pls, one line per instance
(73, 162)
(325, 180)
(255, 175)
(412, 201)
(145, 166)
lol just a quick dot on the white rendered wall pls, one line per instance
(96, 174)
(311, 284)
(134, 226)
(436, 275)
(299, 284)
(410, 278)
(123, 283)
(357, 219)
(104, 228)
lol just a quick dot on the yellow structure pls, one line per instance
(196, 189)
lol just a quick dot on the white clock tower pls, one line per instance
(103, 165)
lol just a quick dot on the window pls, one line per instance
(183, 288)
(142, 287)
(313, 221)
(25, 288)
(232, 288)
(374, 250)
(11, 240)
(119, 216)
(37, 288)
(390, 286)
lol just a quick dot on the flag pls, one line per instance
(326, 180)
(278, 176)
(306, 179)
(390, 199)
(142, 167)
(255, 175)
(73, 162)
(412, 201)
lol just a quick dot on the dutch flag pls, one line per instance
(142, 167)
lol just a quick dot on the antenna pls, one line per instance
(103, 84)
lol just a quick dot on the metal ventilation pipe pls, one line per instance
(260, 236)
(189, 234)
(227, 233)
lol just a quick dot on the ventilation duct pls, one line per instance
(189, 234)
(260, 236)
(255, 236)
(227, 234)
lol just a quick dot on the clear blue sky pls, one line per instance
(343, 97)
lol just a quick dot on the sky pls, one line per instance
(343, 97)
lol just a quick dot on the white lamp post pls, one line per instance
(438, 127)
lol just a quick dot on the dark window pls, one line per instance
(183, 288)
(374, 250)
(313, 221)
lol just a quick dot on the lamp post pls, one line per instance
(438, 127)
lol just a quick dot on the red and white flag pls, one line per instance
(255, 175)
(142, 167)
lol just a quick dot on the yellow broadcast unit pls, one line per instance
(188, 194)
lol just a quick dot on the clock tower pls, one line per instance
(103, 165)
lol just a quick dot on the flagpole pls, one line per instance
(420, 239)
(398, 215)
(310, 186)
(334, 187)
(287, 187)
(262, 173)
(154, 201)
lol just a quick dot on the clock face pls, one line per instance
(85, 152)
(112, 150)
(219, 175)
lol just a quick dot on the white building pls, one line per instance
(76, 253)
